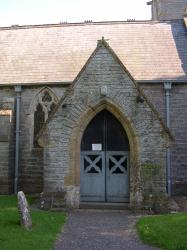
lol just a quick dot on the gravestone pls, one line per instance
(23, 208)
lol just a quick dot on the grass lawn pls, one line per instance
(168, 232)
(46, 226)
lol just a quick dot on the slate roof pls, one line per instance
(151, 51)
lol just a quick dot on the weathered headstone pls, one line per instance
(23, 208)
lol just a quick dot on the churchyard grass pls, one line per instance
(46, 226)
(169, 232)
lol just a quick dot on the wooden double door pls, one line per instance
(104, 161)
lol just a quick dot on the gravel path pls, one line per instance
(100, 230)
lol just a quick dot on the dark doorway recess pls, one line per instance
(104, 160)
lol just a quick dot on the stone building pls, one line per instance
(96, 110)
(163, 10)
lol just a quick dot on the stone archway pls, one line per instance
(73, 177)
(104, 169)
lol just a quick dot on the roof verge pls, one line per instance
(104, 43)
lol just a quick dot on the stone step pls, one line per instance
(104, 205)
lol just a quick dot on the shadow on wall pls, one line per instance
(179, 33)
(178, 108)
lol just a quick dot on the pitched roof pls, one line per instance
(102, 43)
(56, 53)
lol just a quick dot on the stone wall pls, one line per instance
(146, 135)
(7, 126)
(155, 92)
(31, 159)
(178, 128)
(57, 154)
(168, 9)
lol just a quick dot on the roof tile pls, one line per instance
(56, 53)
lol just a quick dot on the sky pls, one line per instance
(25, 12)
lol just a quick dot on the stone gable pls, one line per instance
(102, 84)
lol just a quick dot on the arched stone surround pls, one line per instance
(102, 84)
(73, 178)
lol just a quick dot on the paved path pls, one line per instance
(100, 230)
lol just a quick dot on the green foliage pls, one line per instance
(152, 186)
(150, 169)
(10, 201)
(46, 225)
(168, 232)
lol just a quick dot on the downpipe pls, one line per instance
(167, 88)
(17, 143)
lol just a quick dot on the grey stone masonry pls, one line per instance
(31, 158)
(178, 126)
(168, 9)
(24, 212)
(7, 122)
(147, 136)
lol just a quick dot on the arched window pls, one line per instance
(44, 105)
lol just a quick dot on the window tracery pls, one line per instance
(44, 105)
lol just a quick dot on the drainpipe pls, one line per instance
(167, 88)
(18, 101)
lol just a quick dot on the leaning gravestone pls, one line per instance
(23, 208)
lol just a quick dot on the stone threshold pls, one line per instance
(104, 205)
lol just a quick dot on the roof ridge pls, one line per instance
(66, 24)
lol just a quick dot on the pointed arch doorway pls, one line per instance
(104, 175)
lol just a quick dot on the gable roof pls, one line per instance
(140, 92)
(152, 51)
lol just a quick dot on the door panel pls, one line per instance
(105, 129)
(117, 173)
(104, 173)
(116, 138)
(94, 133)
(93, 176)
